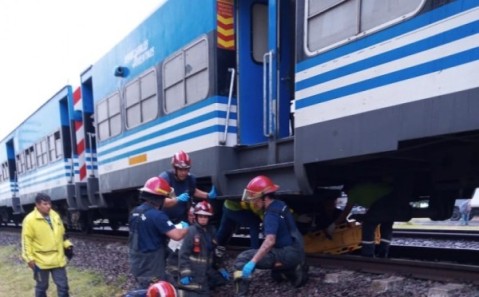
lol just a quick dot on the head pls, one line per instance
(191, 215)
(43, 203)
(203, 211)
(155, 190)
(161, 289)
(258, 190)
(181, 163)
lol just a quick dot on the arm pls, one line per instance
(169, 202)
(27, 254)
(177, 234)
(200, 194)
(265, 247)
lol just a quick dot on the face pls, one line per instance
(182, 173)
(191, 217)
(44, 207)
(258, 203)
(202, 219)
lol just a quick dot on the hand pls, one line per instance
(185, 280)
(220, 251)
(69, 252)
(224, 273)
(185, 197)
(212, 194)
(248, 269)
(183, 225)
(31, 264)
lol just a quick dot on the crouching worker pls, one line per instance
(282, 250)
(200, 267)
(150, 228)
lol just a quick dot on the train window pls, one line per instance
(334, 22)
(58, 145)
(30, 158)
(109, 117)
(260, 31)
(141, 100)
(186, 76)
(20, 163)
(4, 174)
(55, 150)
(41, 149)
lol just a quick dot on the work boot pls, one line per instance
(278, 275)
(367, 249)
(383, 250)
(299, 275)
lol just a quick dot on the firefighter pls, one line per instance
(184, 184)
(282, 248)
(199, 267)
(150, 228)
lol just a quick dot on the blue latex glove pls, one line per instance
(185, 280)
(248, 269)
(212, 194)
(224, 273)
(184, 197)
(184, 224)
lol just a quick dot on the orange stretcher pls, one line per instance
(346, 238)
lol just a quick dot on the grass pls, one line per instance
(16, 279)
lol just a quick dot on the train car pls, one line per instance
(37, 157)
(8, 185)
(389, 90)
(314, 94)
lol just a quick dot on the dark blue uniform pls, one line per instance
(179, 212)
(289, 246)
(147, 243)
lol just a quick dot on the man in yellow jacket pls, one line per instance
(45, 248)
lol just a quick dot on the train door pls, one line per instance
(265, 65)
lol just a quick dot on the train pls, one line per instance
(313, 94)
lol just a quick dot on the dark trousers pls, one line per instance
(232, 218)
(369, 225)
(368, 239)
(288, 257)
(60, 279)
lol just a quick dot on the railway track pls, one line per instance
(440, 234)
(436, 264)
(437, 271)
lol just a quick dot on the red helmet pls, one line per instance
(203, 208)
(181, 160)
(157, 186)
(258, 187)
(161, 289)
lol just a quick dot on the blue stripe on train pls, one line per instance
(422, 69)
(407, 50)
(441, 13)
(157, 145)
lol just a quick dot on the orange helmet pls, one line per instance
(157, 186)
(203, 208)
(161, 289)
(181, 160)
(258, 187)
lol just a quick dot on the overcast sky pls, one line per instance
(46, 44)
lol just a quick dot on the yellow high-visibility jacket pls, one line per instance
(44, 244)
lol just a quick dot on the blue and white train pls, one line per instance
(312, 93)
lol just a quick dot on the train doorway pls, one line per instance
(265, 32)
